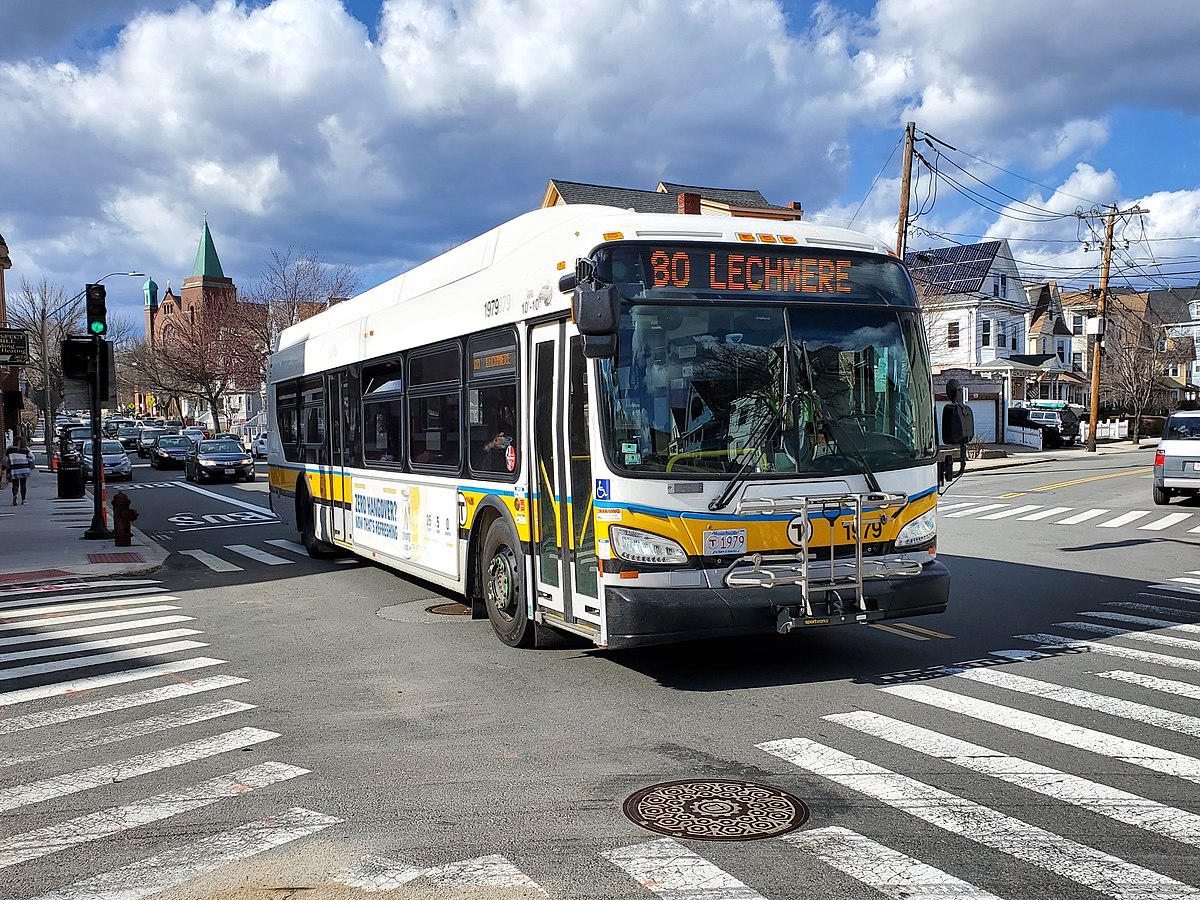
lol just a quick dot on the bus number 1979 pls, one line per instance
(497, 305)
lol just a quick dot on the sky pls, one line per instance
(379, 133)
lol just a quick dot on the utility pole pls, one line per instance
(1110, 218)
(910, 131)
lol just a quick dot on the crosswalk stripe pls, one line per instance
(213, 562)
(1156, 759)
(1164, 685)
(670, 869)
(120, 819)
(54, 602)
(83, 617)
(122, 770)
(378, 873)
(1123, 519)
(75, 607)
(1182, 627)
(39, 636)
(1145, 637)
(959, 816)
(1165, 522)
(1015, 511)
(1150, 608)
(888, 871)
(975, 511)
(124, 731)
(1080, 518)
(112, 704)
(85, 646)
(1177, 588)
(289, 545)
(1162, 659)
(1178, 581)
(1113, 706)
(1045, 514)
(98, 659)
(77, 585)
(166, 870)
(1110, 802)
(1175, 598)
(257, 555)
(79, 685)
(944, 508)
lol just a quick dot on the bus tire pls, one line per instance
(503, 586)
(315, 547)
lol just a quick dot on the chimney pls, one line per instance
(795, 204)
(689, 204)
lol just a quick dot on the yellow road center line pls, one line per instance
(1061, 484)
(897, 631)
(928, 631)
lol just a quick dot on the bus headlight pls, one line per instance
(643, 547)
(921, 530)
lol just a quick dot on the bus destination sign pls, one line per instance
(724, 270)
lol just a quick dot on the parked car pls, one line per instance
(146, 438)
(116, 461)
(193, 433)
(259, 448)
(128, 436)
(1177, 458)
(218, 459)
(169, 450)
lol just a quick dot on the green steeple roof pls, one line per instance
(207, 263)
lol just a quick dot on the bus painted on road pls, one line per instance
(747, 446)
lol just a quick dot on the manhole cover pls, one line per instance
(716, 810)
(449, 609)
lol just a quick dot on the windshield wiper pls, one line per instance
(753, 445)
(855, 453)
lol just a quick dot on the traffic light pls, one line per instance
(96, 309)
(77, 356)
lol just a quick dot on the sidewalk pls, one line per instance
(43, 539)
(1027, 456)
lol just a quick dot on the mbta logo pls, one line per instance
(799, 529)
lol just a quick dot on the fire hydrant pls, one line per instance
(123, 517)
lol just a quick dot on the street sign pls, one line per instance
(14, 347)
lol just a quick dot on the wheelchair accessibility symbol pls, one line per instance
(602, 489)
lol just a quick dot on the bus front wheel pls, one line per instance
(503, 592)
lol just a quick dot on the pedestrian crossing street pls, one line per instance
(1003, 723)
(124, 660)
(65, 641)
(238, 557)
(1142, 520)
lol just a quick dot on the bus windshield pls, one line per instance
(709, 388)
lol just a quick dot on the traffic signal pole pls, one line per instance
(97, 314)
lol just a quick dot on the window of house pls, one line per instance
(1013, 340)
(1174, 370)
(1062, 352)
(1077, 324)
(434, 408)
(383, 412)
(1003, 342)
(1077, 360)
(1000, 285)
(952, 335)
(985, 339)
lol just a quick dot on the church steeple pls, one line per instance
(207, 264)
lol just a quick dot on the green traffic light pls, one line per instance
(97, 327)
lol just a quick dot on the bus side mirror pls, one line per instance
(958, 424)
(599, 346)
(596, 310)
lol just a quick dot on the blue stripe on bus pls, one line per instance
(317, 470)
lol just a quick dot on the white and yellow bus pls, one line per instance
(637, 428)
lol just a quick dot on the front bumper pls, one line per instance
(640, 617)
(239, 470)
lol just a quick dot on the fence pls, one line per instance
(1110, 430)
(1025, 437)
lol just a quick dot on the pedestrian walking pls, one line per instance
(19, 463)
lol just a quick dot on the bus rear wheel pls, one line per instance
(503, 592)
(316, 548)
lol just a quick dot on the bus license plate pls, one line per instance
(724, 543)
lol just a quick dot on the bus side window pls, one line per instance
(493, 428)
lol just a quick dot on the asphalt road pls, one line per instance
(1039, 739)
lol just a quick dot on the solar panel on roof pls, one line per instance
(952, 270)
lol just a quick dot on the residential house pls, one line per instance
(976, 315)
(669, 197)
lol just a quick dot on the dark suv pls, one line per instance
(1058, 426)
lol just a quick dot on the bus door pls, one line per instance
(563, 536)
(337, 485)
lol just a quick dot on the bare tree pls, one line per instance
(291, 288)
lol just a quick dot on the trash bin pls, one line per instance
(70, 476)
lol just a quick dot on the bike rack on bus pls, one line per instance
(820, 576)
